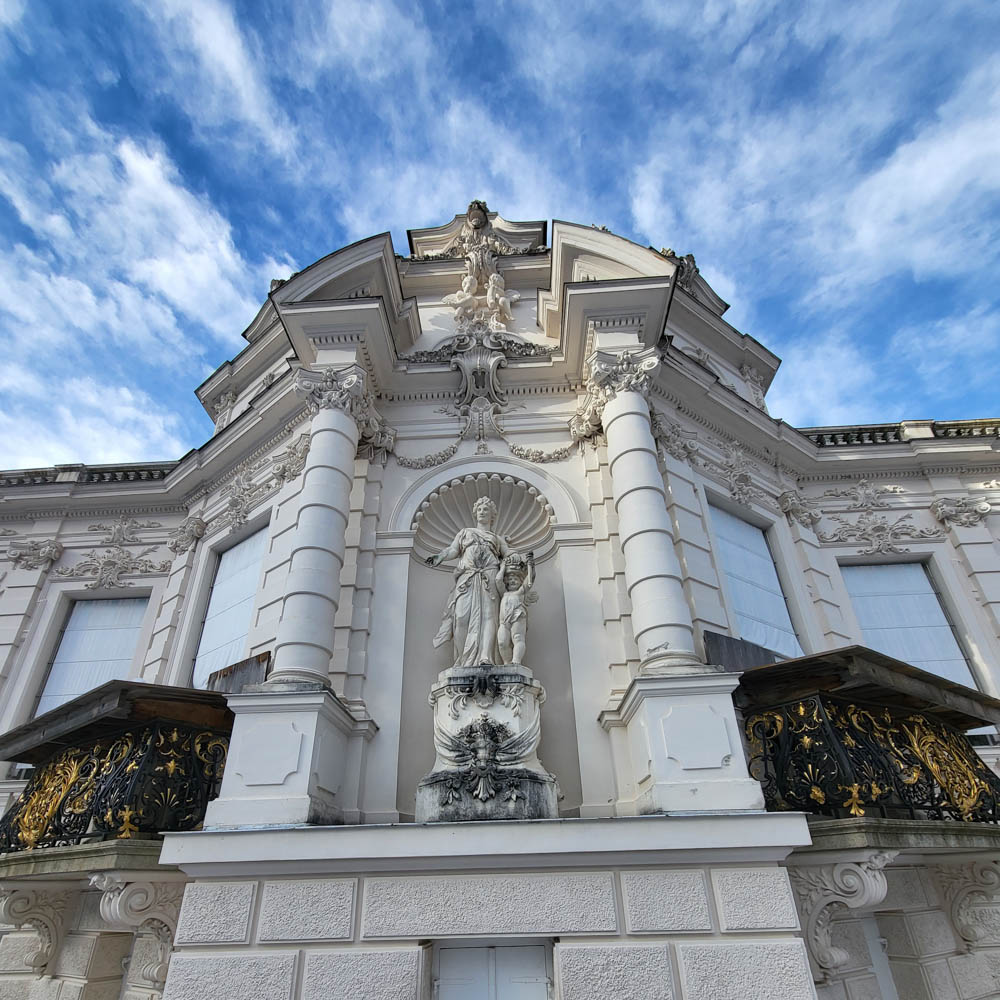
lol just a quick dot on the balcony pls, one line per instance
(126, 761)
(852, 733)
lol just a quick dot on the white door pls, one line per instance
(506, 973)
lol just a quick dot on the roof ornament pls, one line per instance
(483, 296)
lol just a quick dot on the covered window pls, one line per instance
(901, 615)
(758, 602)
(230, 606)
(511, 972)
(97, 645)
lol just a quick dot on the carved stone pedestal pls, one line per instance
(486, 735)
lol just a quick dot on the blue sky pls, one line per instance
(835, 168)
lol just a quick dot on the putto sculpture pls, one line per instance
(487, 725)
(483, 295)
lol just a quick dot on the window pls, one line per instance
(227, 621)
(901, 615)
(96, 646)
(513, 972)
(755, 593)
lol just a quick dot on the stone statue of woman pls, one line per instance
(472, 613)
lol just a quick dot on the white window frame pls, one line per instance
(779, 557)
(952, 614)
(180, 668)
(546, 944)
(29, 671)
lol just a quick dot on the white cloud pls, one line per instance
(64, 421)
(215, 69)
(828, 380)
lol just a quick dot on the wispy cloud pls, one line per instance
(834, 168)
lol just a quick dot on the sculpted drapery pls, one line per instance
(471, 615)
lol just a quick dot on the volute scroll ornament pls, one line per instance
(35, 554)
(152, 906)
(966, 512)
(822, 890)
(47, 912)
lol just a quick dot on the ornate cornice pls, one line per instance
(821, 890)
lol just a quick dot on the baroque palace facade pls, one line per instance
(499, 645)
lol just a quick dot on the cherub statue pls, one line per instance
(515, 579)
(499, 301)
(464, 300)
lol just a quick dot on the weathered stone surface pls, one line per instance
(751, 899)
(464, 905)
(977, 975)
(15, 946)
(239, 975)
(215, 912)
(657, 901)
(744, 971)
(910, 982)
(905, 890)
(363, 975)
(307, 910)
(29, 989)
(624, 972)
(864, 988)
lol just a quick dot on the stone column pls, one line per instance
(293, 737)
(682, 749)
(304, 642)
(661, 619)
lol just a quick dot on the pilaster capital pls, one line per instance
(962, 511)
(153, 906)
(625, 371)
(821, 890)
(612, 373)
(972, 893)
(47, 912)
(347, 388)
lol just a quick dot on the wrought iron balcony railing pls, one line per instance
(856, 733)
(125, 760)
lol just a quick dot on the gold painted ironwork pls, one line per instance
(156, 777)
(828, 755)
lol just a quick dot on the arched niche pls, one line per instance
(524, 514)
(567, 506)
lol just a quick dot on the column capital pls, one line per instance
(611, 373)
(346, 388)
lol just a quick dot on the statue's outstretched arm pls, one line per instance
(452, 552)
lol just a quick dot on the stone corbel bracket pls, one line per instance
(152, 906)
(966, 887)
(47, 912)
(822, 890)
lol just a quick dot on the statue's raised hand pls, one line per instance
(434, 560)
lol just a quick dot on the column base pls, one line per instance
(288, 758)
(683, 746)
